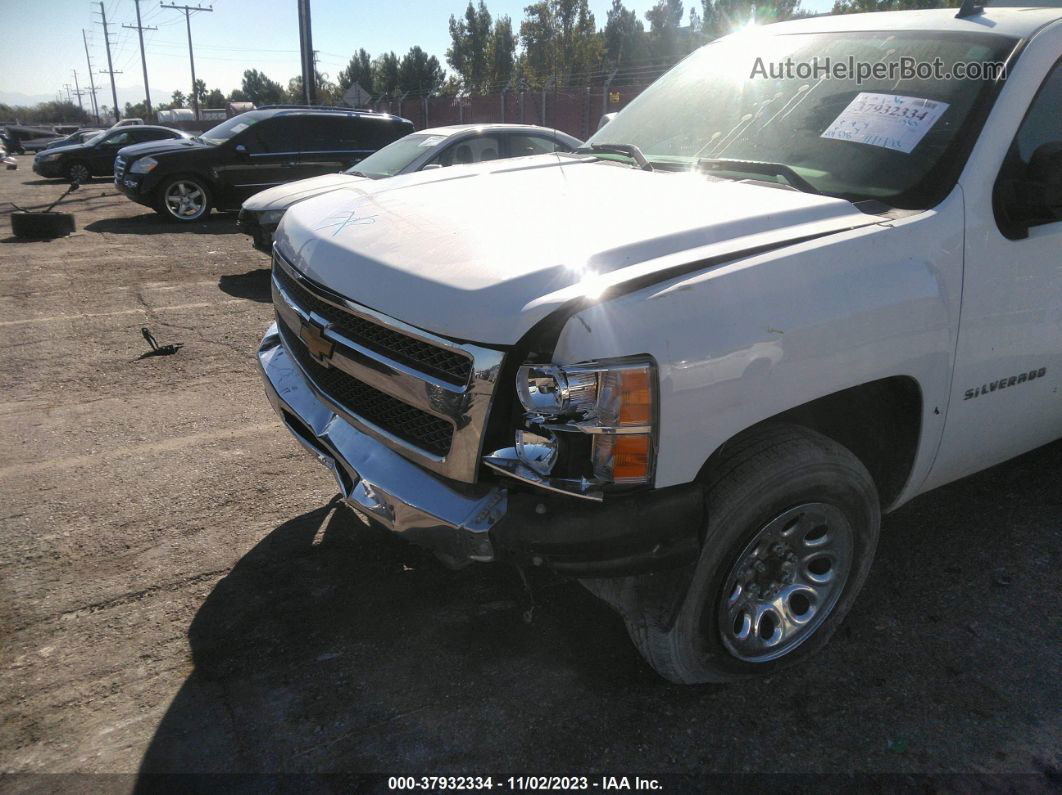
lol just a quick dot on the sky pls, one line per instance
(40, 40)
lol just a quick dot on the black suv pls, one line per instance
(182, 180)
(95, 157)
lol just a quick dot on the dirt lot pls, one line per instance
(178, 592)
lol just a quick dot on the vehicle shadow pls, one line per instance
(153, 224)
(334, 647)
(65, 181)
(253, 285)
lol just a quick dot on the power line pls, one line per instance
(188, 10)
(110, 65)
(140, 28)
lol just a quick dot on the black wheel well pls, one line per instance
(880, 422)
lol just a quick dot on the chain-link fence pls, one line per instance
(576, 111)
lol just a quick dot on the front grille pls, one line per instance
(418, 428)
(119, 167)
(430, 359)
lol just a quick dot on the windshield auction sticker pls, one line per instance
(886, 120)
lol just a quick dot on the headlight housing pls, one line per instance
(589, 426)
(144, 165)
(48, 158)
(270, 216)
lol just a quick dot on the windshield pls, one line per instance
(231, 127)
(396, 156)
(889, 137)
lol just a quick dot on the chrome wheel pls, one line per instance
(785, 582)
(185, 200)
(78, 172)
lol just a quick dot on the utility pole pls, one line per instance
(110, 66)
(78, 91)
(309, 77)
(191, 58)
(67, 87)
(139, 28)
(92, 83)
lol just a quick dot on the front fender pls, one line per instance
(743, 342)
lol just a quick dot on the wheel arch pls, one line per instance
(880, 422)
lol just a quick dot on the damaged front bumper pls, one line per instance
(461, 523)
(375, 479)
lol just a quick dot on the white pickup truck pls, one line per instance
(694, 362)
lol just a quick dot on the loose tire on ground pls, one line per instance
(781, 495)
(183, 199)
(42, 226)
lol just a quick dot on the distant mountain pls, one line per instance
(131, 94)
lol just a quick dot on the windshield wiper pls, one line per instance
(758, 167)
(630, 150)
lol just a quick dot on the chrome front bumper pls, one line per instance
(377, 480)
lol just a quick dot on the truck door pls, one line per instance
(1006, 395)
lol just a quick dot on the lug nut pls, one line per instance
(760, 566)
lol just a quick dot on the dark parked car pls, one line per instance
(182, 180)
(77, 137)
(16, 137)
(95, 157)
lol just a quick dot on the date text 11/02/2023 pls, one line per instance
(521, 783)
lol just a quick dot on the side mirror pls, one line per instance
(240, 150)
(1035, 197)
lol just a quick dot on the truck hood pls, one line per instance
(482, 253)
(282, 197)
(163, 147)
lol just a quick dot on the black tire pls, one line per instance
(166, 208)
(761, 478)
(42, 226)
(78, 171)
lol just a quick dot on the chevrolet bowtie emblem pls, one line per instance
(319, 347)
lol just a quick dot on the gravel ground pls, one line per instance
(179, 592)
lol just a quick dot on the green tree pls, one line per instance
(561, 42)
(625, 39)
(469, 43)
(859, 6)
(200, 92)
(214, 99)
(721, 17)
(419, 72)
(501, 52)
(237, 95)
(260, 90)
(359, 71)
(385, 74)
(177, 100)
(664, 20)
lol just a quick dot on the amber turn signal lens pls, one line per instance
(636, 397)
(631, 455)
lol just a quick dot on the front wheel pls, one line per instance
(78, 172)
(793, 521)
(183, 199)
